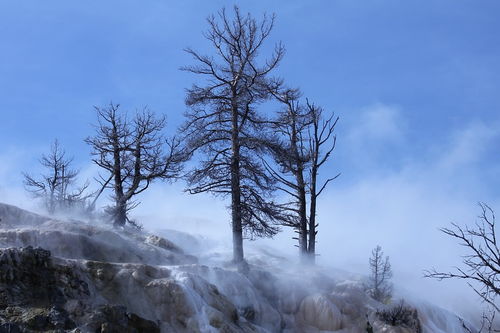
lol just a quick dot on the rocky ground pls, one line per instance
(74, 276)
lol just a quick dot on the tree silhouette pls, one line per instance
(224, 125)
(379, 285)
(133, 153)
(56, 186)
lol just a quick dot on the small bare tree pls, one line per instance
(56, 187)
(134, 153)
(379, 286)
(401, 315)
(223, 122)
(482, 264)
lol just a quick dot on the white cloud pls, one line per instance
(375, 125)
(368, 134)
(469, 145)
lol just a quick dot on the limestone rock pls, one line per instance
(163, 243)
(319, 312)
(114, 318)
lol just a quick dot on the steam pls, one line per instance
(400, 206)
(400, 210)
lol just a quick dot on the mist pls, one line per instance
(370, 204)
(401, 210)
(416, 141)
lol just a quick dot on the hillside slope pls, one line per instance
(74, 276)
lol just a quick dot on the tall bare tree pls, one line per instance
(56, 186)
(133, 153)
(322, 142)
(223, 122)
(481, 268)
(290, 149)
(380, 287)
(303, 142)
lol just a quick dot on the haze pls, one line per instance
(415, 86)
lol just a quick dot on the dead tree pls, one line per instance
(322, 142)
(303, 141)
(290, 150)
(224, 125)
(379, 286)
(56, 187)
(481, 268)
(133, 153)
(401, 315)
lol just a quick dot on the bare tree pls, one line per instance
(322, 142)
(379, 286)
(488, 323)
(401, 315)
(298, 148)
(482, 264)
(223, 122)
(291, 153)
(133, 153)
(56, 187)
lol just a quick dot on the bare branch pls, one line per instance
(134, 153)
(482, 264)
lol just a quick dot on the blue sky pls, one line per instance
(415, 83)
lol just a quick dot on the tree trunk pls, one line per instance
(120, 217)
(236, 213)
(312, 232)
(312, 219)
(301, 191)
(51, 207)
(303, 216)
(120, 213)
(235, 189)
